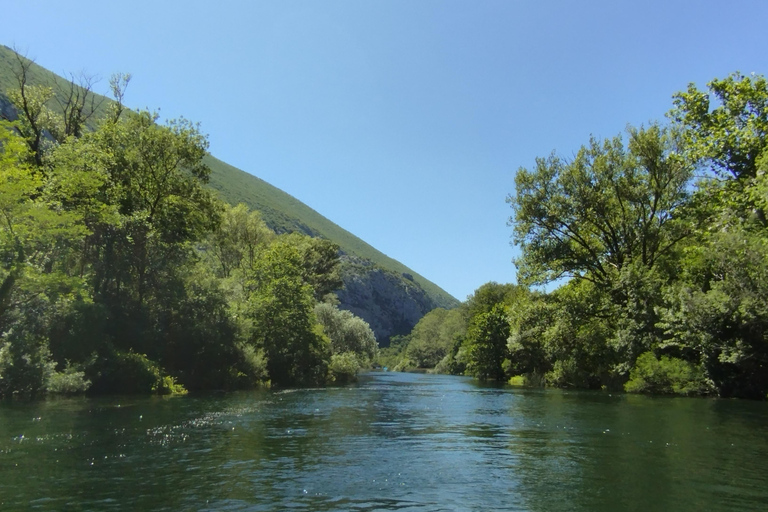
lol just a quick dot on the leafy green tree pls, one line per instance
(720, 323)
(433, 337)
(529, 352)
(609, 206)
(353, 344)
(729, 136)
(490, 294)
(487, 344)
(236, 243)
(36, 279)
(320, 263)
(714, 316)
(668, 375)
(347, 332)
(281, 307)
(37, 124)
(151, 187)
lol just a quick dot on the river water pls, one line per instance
(391, 442)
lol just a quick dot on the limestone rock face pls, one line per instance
(6, 109)
(391, 303)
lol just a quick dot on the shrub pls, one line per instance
(69, 382)
(344, 367)
(25, 366)
(668, 375)
(130, 372)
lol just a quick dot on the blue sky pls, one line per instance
(402, 121)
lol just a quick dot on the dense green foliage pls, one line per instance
(449, 341)
(121, 272)
(353, 344)
(659, 242)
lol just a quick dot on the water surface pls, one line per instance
(392, 442)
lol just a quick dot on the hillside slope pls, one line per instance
(387, 294)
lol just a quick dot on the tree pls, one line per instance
(714, 316)
(433, 337)
(731, 136)
(154, 178)
(320, 262)
(353, 344)
(35, 118)
(347, 332)
(611, 205)
(487, 344)
(36, 279)
(490, 294)
(284, 324)
(77, 103)
(236, 243)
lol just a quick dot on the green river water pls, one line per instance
(391, 442)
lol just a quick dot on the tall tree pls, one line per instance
(589, 217)
(487, 344)
(281, 307)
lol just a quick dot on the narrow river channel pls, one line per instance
(393, 441)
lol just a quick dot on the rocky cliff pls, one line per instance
(391, 303)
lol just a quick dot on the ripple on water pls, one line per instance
(393, 442)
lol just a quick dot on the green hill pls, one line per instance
(382, 290)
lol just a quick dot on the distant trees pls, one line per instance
(471, 339)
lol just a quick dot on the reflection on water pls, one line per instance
(392, 442)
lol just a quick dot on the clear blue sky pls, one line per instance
(402, 121)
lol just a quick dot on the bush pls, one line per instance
(25, 366)
(344, 367)
(69, 382)
(129, 372)
(668, 375)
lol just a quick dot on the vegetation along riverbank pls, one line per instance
(659, 242)
(121, 272)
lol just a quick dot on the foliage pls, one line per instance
(490, 294)
(71, 381)
(25, 367)
(344, 367)
(434, 336)
(670, 274)
(487, 344)
(722, 322)
(320, 263)
(730, 137)
(235, 244)
(611, 205)
(282, 309)
(668, 375)
(391, 356)
(124, 372)
(347, 332)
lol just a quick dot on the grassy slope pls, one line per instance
(281, 211)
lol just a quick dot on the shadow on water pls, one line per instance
(391, 442)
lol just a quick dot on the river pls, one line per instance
(393, 441)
